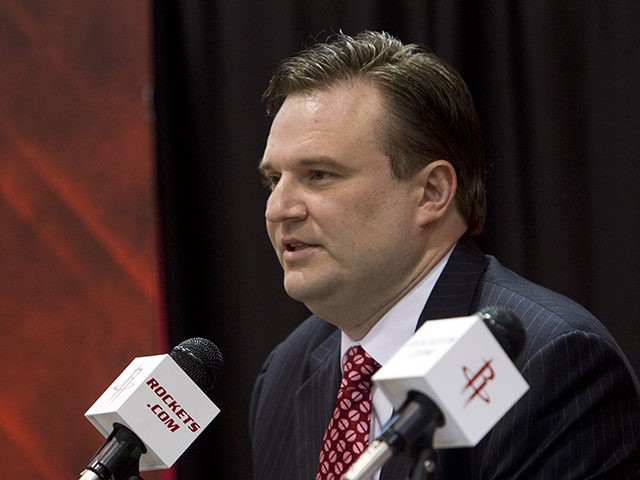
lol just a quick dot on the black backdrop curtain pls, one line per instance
(557, 89)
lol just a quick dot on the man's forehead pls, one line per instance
(338, 97)
(325, 124)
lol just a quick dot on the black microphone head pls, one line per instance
(506, 327)
(201, 359)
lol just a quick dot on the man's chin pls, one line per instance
(297, 293)
(308, 293)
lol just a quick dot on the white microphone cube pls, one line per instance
(160, 403)
(460, 365)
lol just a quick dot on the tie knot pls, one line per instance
(357, 368)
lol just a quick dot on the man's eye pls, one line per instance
(270, 181)
(319, 175)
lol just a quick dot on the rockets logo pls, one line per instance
(126, 384)
(477, 382)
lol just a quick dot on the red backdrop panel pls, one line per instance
(78, 263)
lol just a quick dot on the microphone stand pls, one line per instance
(410, 429)
(424, 465)
(118, 458)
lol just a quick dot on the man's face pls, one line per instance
(343, 228)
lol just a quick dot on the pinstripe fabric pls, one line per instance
(293, 401)
(580, 418)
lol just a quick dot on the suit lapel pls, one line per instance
(452, 296)
(315, 401)
(454, 292)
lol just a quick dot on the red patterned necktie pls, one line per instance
(347, 435)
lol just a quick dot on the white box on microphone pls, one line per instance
(158, 401)
(460, 365)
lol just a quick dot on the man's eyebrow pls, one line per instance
(318, 162)
(321, 161)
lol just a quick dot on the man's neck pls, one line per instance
(356, 325)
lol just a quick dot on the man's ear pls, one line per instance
(439, 184)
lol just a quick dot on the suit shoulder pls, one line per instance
(545, 314)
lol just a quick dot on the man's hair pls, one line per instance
(430, 110)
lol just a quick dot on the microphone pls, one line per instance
(154, 410)
(449, 384)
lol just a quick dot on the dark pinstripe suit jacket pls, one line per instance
(580, 418)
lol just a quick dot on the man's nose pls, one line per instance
(285, 202)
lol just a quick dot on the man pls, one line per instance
(376, 171)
